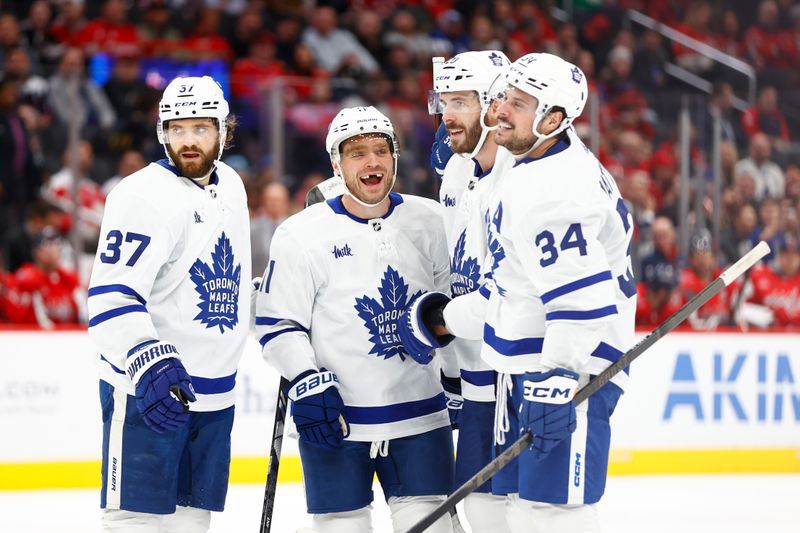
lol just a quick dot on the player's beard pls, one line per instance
(354, 185)
(472, 135)
(517, 144)
(194, 169)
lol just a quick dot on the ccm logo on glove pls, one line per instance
(554, 390)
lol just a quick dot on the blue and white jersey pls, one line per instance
(464, 195)
(560, 238)
(173, 264)
(332, 293)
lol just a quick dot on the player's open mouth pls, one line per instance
(503, 125)
(455, 132)
(372, 179)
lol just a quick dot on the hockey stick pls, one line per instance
(319, 193)
(274, 458)
(724, 279)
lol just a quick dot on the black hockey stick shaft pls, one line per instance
(511, 453)
(274, 458)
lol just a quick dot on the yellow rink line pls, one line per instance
(86, 474)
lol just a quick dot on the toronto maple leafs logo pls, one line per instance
(464, 272)
(218, 287)
(496, 60)
(381, 318)
(495, 248)
(577, 75)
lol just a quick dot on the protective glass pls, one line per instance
(439, 103)
(186, 134)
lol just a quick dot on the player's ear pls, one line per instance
(336, 170)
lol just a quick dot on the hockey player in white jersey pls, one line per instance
(339, 276)
(563, 303)
(169, 313)
(461, 94)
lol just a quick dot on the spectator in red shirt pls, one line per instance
(252, 75)
(765, 117)
(206, 43)
(773, 293)
(69, 23)
(656, 295)
(770, 47)
(701, 271)
(696, 24)
(111, 33)
(44, 292)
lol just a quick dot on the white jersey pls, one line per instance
(464, 194)
(332, 293)
(560, 239)
(173, 264)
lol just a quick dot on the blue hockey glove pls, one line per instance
(452, 389)
(163, 387)
(318, 409)
(440, 151)
(547, 409)
(415, 325)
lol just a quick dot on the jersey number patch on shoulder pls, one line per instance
(114, 247)
(573, 238)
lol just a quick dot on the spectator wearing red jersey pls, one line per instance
(773, 293)
(252, 76)
(111, 32)
(160, 37)
(772, 49)
(766, 118)
(44, 292)
(69, 23)
(701, 270)
(206, 43)
(696, 24)
(657, 298)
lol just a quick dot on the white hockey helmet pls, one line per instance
(553, 82)
(353, 121)
(468, 71)
(193, 97)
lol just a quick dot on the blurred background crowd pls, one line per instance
(80, 83)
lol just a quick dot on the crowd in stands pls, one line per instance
(95, 70)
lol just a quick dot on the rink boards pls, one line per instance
(696, 403)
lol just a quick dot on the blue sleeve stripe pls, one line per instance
(582, 315)
(607, 352)
(114, 368)
(214, 385)
(113, 313)
(479, 378)
(267, 321)
(124, 289)
(386, 414)
(269, 336)
(525, 346)
(485, 292)
(573, 286)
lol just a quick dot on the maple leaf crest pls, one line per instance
(218, 286)
(464, 272)
(380, 318)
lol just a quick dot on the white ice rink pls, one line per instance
(632, 504)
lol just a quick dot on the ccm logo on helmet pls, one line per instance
(185, 104)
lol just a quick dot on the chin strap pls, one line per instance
(485, 129)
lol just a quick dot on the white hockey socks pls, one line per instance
(534, 517)
(408, 510)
